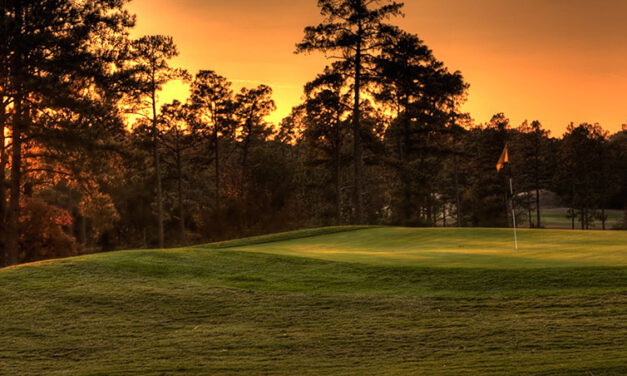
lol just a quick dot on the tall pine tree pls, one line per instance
(354, 30)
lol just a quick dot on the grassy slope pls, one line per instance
(380, 301)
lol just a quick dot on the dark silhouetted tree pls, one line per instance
(57, 58)
(252, 106)
(579, 169)
(327, 112)
(213, 103)
(531, 159)
(420, 91)
(354, 30)
(619, 169)
(177, 141)
(486, 197)
(151, 71)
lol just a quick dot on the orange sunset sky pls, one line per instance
(553, 60)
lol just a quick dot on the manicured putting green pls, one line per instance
(464, 248)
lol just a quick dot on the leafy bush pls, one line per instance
(43, 234)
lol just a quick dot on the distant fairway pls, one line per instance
(371, 301)
(558, 218)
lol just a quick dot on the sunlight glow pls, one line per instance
(530, 60)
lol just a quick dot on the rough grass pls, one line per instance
(263, 310)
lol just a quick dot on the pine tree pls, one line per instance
(252, 106)
(326, 129)
(578, 171)
(151, 71)
(177, 140)
(419, 90)
(213, 105)
(354, 30)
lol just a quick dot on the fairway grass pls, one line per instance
(459, 248)
(341, 301)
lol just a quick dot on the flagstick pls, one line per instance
(511, 188)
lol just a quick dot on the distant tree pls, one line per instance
(579, 170)
(453, 176)
(420, 90)
(609, 175)
(252, 106)
(71, 169)
(213, 103)
(132, 188)
(353, 29)
(271, 190)
(176, 139)
(531, 159)
(291, 128)
(326, 126)
(151, 71)
(97, 209)
(618, 143)
(486, 197)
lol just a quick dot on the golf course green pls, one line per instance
(330, 301)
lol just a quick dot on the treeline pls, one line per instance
(89, 160)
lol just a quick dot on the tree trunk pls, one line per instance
(457, 197)
(144, 238)
(429, 212)
(338, 160)
(583, 218)
(155, 144)
(70, 209)
(179, 176)
(245, 160)
(13, 215)
(529, 216)
(336, 181)
(538, 216)
(537, 183)
(509, 204)
(3, 162)
(82, 232)
(357, 136)
(217, 172)
(603, 219)
(405, 175)
(13, 225)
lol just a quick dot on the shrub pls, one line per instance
(43, 234)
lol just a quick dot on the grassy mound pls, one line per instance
(378, 301)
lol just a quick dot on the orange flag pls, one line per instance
(504, 159)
